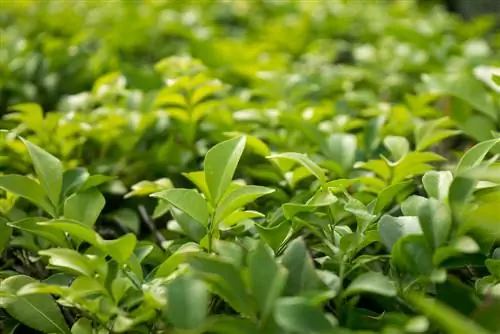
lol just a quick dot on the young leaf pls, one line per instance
(49, 171)
(413, 254)
(73, 179)
(444, 316)
(436, 223)
(239, 198)
(302, 274)
(475, 155)
(297, 315)
(225, 280)
(263, 268)
(187, 302)
(388, 195)
(25, 187)
(371, 282)
(220, 165)
(303, 160)
(398, 146)
(5, 233)
(84, 206)
(437, 184)
(69, 259)
(82, 326)
(391, 229)
(37, 311)
(188, 201)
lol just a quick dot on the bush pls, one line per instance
(248, 167)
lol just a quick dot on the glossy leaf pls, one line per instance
(188, 201)
(296, 314)
(371, 282)
(49, 171)
(220, 165)
(187, 302)
(37, 311)
(84, 206)
(27, 188)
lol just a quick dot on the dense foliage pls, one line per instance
(248, 167)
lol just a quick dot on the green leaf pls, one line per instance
(198, 179)
(437, 184)
(69, 259)
(302, 275)
(31, 225)
(474, 156)
(398, 146)
(411, 205)
(413, 254)
(49, 171)
(436, 223)
(238, 216)
(444, 316)
(304, 161)
(463, 87)
(371, 282)
(225, 280)
(128, 219)
(38, 311)
(223, 324)
(25, 187)
(263, 268)
(342, 149)
(187, 302)
(188, 201)
(5, 233)
(391, 229)
(387, 196)
(297, 315)
(180, 256)
(82, 326)
(274, 236)
(84, 206)
(73, 179)
(220, 165)
(238, 198)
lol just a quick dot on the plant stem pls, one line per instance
(160, 239)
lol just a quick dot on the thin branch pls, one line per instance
(160, 239)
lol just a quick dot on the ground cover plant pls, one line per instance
(248, 167)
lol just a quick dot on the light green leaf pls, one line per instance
(302, 275)
(437, 184)
(73, 179)
(274, 236)
(435, 220)
(238, 198)
(449, 320)
(474, 156)
(188, 201)
(25, 187)
(49, 171)
(391, 229)
(463, 87)
(238, 216)
(38, 311)
(220, 165)
(387, 196)
(198, 179)
(187, 302)
(69, 259)
(371, 282)
(31, 225)
(397, 146)
(180, 256)
(263, 268)
(82, 326)
(341, 148)
(413, 254)
(298, 315)
(225, 280)
(84, 206)
(128, 219)
(304, 161)
(5, 233)
(410, 206)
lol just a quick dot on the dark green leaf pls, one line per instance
(187, 302)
